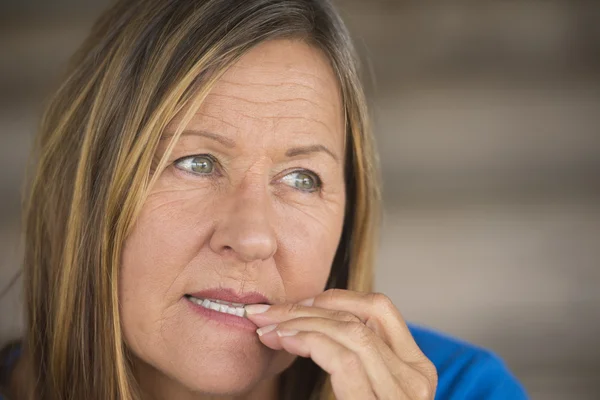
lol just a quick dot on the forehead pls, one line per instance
(284, 66)
(281, 87)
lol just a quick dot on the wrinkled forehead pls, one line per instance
(288, 65)
(289, 81)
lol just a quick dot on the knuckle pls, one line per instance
(360, 333)
(345, 316)
(432, 375)
(423, 389)
(425, 383)
(381, 302)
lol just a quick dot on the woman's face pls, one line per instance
(251, 205)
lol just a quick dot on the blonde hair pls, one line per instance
(145, 61)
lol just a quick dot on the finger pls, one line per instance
(376, 357)
(263, 315)
(423, 378)
(410, 380)
(348, 377)
(378, 313)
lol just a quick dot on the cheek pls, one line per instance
(310, 242)
(165, 238)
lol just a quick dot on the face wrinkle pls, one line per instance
(218, 232)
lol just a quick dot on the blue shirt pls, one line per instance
(466, 372)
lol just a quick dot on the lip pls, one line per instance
(231, 296)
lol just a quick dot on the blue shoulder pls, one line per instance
(466, 371)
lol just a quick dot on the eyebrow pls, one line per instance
(317, 148)
(293, 152)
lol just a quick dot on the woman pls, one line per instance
(202, 216)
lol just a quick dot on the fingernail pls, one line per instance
(265, 329)
(286, 332)
(256, 308)
(307, 302)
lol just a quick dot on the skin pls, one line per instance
(247, 227)
(243, 228)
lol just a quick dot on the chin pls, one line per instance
(215, 374)
(216, 367)
(227, 379)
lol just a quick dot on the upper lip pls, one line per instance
(231, 296)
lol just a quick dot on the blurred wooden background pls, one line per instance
(487, 118)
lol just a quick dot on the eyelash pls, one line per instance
(217, 167)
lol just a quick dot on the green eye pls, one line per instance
(201, 165)
(303, 180)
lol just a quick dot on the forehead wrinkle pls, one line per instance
(221, 120)
(291, 90)
(231, 122)
(272, 118)
(290, 77)
(222, 110)
(287, 84)
(276, 101)
(269, 108)
(281, 93)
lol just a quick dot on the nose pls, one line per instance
(244, 228)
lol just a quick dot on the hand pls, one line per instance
(360, 339)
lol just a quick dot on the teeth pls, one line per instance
(220, 306)
(228, 303)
